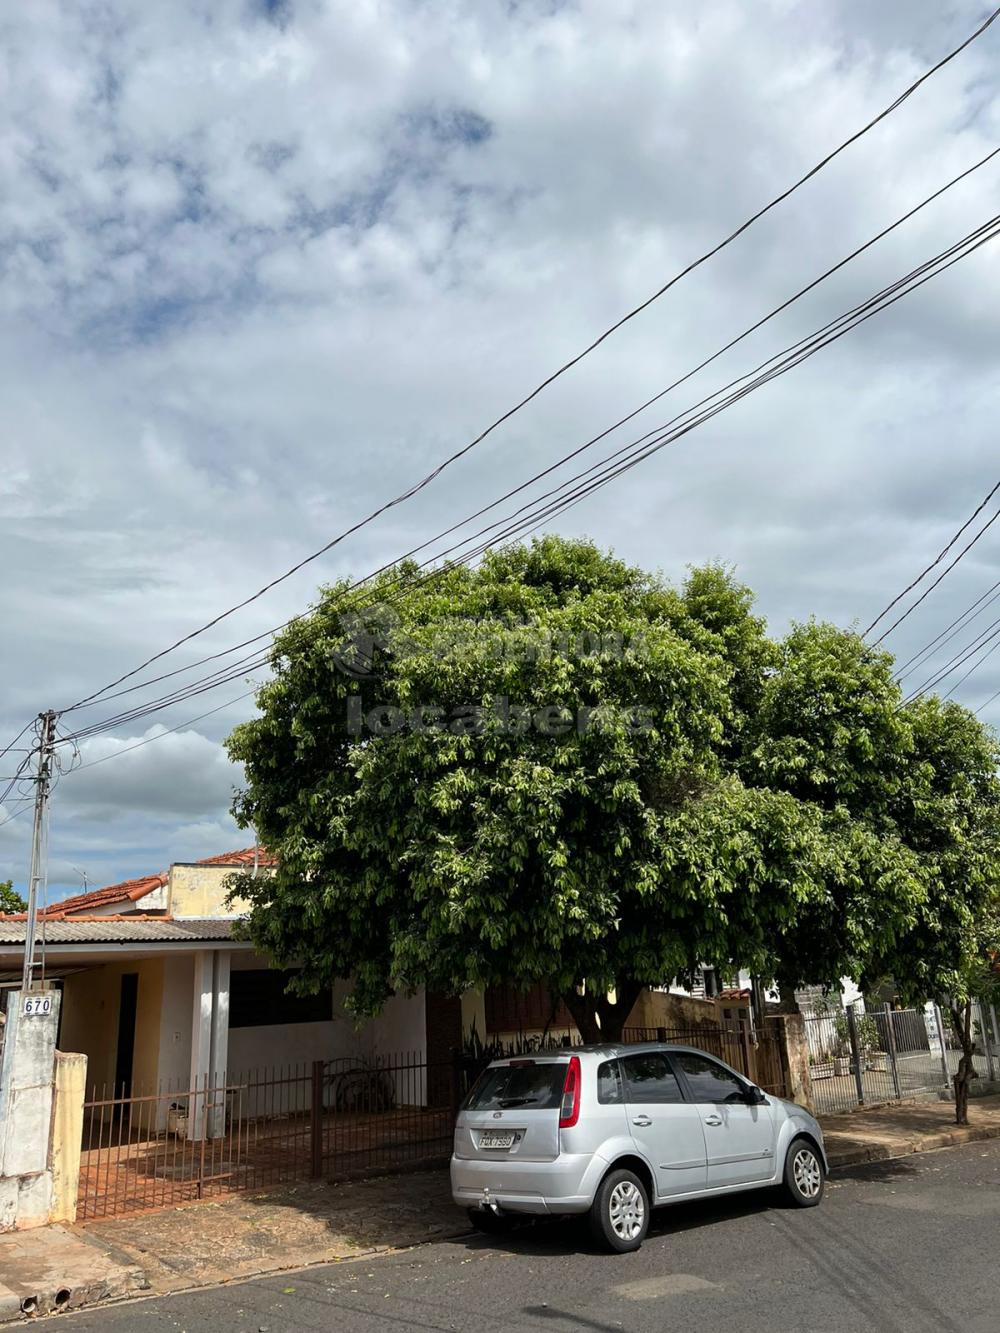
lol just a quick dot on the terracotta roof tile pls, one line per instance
(243, 857)
(129, 890)
(132, 890)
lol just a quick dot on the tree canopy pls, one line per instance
(558, 767)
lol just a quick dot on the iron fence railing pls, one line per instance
(860, 1058)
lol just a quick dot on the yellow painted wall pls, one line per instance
(656, 1009)
(90, 1009)
(200, 891)
(67, 1135)
(474, 1013)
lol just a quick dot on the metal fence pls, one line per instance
(860, 1058)
(329, 1119)
(335, 1118)
(757, 1052)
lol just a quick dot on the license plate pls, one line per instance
(495, 1138)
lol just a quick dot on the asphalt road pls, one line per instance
(908, 1246)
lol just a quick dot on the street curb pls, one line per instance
(120, 1286)
(883, 1152)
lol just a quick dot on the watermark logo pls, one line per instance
(377, 629)
(499, 717)
(364, 634)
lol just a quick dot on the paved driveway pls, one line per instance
(898, 1247)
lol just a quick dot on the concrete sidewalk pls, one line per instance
(294, 1226)
(60, 1268)
(877, 1133)
(291, 1226)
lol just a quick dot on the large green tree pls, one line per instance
(557, 767)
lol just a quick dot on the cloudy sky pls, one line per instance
(265, 261)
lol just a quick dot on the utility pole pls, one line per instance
(46, 749)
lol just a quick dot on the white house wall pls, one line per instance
(175, 1022)
(399, 1031)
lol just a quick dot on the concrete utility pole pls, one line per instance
(46, 749)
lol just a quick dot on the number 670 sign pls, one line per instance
(37, 1004)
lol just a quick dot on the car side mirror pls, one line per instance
(753, 1095)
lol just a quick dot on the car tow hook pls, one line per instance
(489, 1203)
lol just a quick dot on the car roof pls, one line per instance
(607, 1051)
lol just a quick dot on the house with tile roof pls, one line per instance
(159, 988)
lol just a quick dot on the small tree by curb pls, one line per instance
(977, 981)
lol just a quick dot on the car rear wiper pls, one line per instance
(516, 1101)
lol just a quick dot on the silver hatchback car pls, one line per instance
(615, 1131)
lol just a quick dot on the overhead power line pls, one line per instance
(169, 731)
(568, 457)
(961, 621)
(418, 486)
(959, 659)
(626, 457)
(947, 570)
(924, 572)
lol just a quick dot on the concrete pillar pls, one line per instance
(67, 1135)
(794, 1054)
(209, 1043)
(201, 1043)
(26, 1083)
(220, 1042)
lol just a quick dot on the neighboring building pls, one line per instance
(159, 990)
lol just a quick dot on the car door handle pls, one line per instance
(642, 1120)
(713, 1120)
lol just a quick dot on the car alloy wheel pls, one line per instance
(619, 1215)
(807, 1173)
(626, 1210)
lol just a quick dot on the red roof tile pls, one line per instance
(243, 857)
(130, 890)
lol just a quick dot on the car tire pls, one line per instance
(619, 1215)
(493, 1224)
(804, 1174)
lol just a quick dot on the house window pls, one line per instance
(258, 999)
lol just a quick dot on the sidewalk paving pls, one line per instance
(291, 1226)
(61, 1268)
(294, 1226)
(872, 1134)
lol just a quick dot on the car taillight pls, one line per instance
(569, 1108)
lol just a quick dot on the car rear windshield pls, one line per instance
(539, 1086)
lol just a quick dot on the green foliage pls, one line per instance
(11, 901)
(732, 800)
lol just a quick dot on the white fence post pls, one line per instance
(939, 1024)
(984, 1033)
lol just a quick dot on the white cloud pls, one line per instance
(256, 275)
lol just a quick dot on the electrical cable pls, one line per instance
(418, 486)
(944, 573)
(924, 572)
(924, 654)
(904, 217)
(159, 736)
(793, 356)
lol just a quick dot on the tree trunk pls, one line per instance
(787, 1003)
(597, 1019)
(961, 1021)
